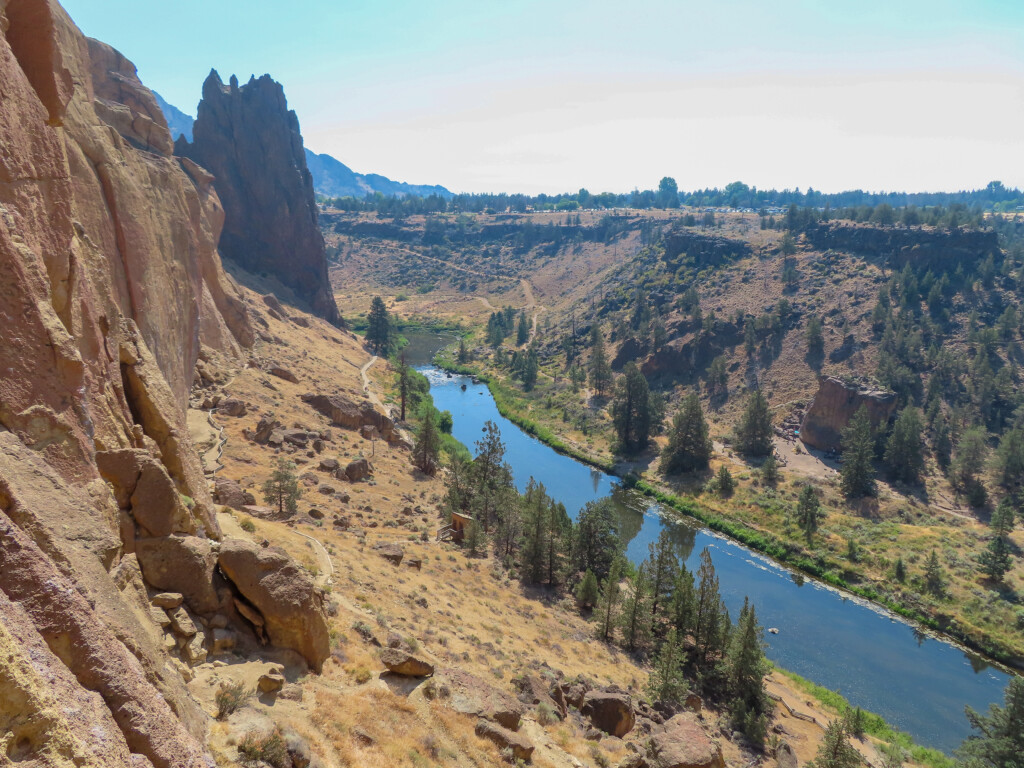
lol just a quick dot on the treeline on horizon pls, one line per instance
(993, 197)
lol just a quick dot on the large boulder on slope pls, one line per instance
(182, 564)
(610, 711)
(682, 742)
(290, 603)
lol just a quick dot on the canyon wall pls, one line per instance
(250, 141)
(111, 286)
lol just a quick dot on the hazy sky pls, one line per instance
(520, 95)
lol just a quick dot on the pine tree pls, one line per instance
(427, 450)
(282, 487)
(378, 328)
(667, 683)
(631, 410)
(933, 578)
(770, 471)
(746, 669)
(754, 432)
(835, 750)
(903, 455)
(968, 462)
(995, 558)
(534, 545)
(463, 355)
(608, 604)
(635, 621)
(557, 540)
(476, 538)
(711, 619)
(600, 369)
(490, 475)
(595, 538)
(999, 741)
(808, 511)
(588, 592)
(522, 331)
(724, 482)
(900, 571)
(662, 565)
(857, 471)
(689, 442)
(815, 338)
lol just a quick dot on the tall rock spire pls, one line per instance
(250, 141)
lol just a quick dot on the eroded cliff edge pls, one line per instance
(111, 287)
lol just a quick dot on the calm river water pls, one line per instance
(917, 682)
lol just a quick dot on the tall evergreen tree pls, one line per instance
(754, 432)
(662, 566)
(808, 511)
(426, 452)
(999, 741)
(683, 609)
(378, 328)
(857, 474)
(608, 604)
(667, 682)
(534, 548)
(689, 442)
(711, 619)
(995, 559)
(933, 578)
(490, 475)
(588, 592)
(635, 620)
(631, 410)
(746, 669)
(595, 538)
(600, 368)
(522, 330)
(835, 750)
(282, 487)
(904, 457)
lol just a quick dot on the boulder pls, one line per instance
(166, 600)
(390, 552)
(329, 465)
(195, 649)
(271, 681)
(265, 427)
(835, 404)
(284, 594)
(785, 757)
(156, 505)
(358, 470)
(182, 623)
(181, 564)
(522, 748)
(472, 695)
(533, 692)
(230, 494)
(400, 662)
(610, 711)
(349, 414)
(232, 407)
(683, 743)
(283, 373)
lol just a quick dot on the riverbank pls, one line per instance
(785, 552)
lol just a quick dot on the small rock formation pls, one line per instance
(533, 691)
(390, 552)
(348, 414)
(610, 711)
(231, 494)
(835, 403)
(683, 743)
(358, 470)
(522, 748)
(271, 682)
(250, 141)
(290, 604)
(471, 695)
(403, 663)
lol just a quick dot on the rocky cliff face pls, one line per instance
(249, 140)
(110, 287)
(919, 247)
(835, 403)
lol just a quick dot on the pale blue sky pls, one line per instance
(520, 95)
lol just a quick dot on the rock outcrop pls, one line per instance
(922, 248)
(610, 711)
(348, 414)
(290, 605)
(249, 140)
(835, 403)
(683, 743)
(111, 289)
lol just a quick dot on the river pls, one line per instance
(917, 682)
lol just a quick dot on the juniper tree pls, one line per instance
(933, 578)
(724, 481)
(683, 609)
(632, 411)
(835, 750)
(282, 487)
(522, 330)
(857, 474)
(595, 538)
(815, 338)
(588, 592)
(754, 432)
(662, 565)
(689, 442)
(808, 511)
(999, 741)
(770, 471)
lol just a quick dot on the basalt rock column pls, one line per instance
(249, 140)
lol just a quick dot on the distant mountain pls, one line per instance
(335, 179)
(331, 177)
(179, 123)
